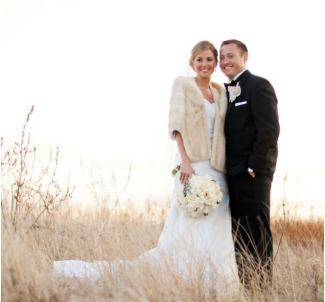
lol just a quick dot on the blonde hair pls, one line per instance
(200, 47)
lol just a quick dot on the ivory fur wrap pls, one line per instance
(187, 116)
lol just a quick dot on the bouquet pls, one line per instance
(200, 196)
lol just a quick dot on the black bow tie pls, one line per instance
(232, 83)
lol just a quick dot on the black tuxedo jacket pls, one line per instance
(252, 127)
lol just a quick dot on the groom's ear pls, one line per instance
(245, 55)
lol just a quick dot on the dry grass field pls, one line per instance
(28, 253)
(39, 225)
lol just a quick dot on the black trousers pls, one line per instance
(250, 211)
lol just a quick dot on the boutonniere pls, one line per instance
(234, 92)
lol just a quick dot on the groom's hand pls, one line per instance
(252, 174)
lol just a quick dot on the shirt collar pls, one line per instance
(237, 75)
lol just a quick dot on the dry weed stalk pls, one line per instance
(100, 191)
(23, 195)
(285, 179)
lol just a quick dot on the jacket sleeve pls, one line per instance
(177, 109)
(265, 113)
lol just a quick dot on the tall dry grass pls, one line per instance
(28, 254)
(39, 226)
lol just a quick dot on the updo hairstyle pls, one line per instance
(202, 46)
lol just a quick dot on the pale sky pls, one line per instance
(100, 73)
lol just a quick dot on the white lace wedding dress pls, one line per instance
(187, 246)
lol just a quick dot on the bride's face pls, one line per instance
(205, 63)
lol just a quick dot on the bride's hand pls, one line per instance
(186, 171)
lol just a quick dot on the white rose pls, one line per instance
(234, 92)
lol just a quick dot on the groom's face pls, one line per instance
(232, 61)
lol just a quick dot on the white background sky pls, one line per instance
(100, 73)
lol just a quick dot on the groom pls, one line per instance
(252, 130)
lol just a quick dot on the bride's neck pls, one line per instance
(202, 82)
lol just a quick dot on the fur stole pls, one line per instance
(187, 116)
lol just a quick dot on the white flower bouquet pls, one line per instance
(200, 196)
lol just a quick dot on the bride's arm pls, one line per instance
(186, 168)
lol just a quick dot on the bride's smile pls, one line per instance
(205, 63)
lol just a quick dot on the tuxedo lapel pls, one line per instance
(241, 79)
(228, 109)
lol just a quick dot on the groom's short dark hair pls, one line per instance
(242, 47)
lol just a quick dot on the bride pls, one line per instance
(202, 246)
